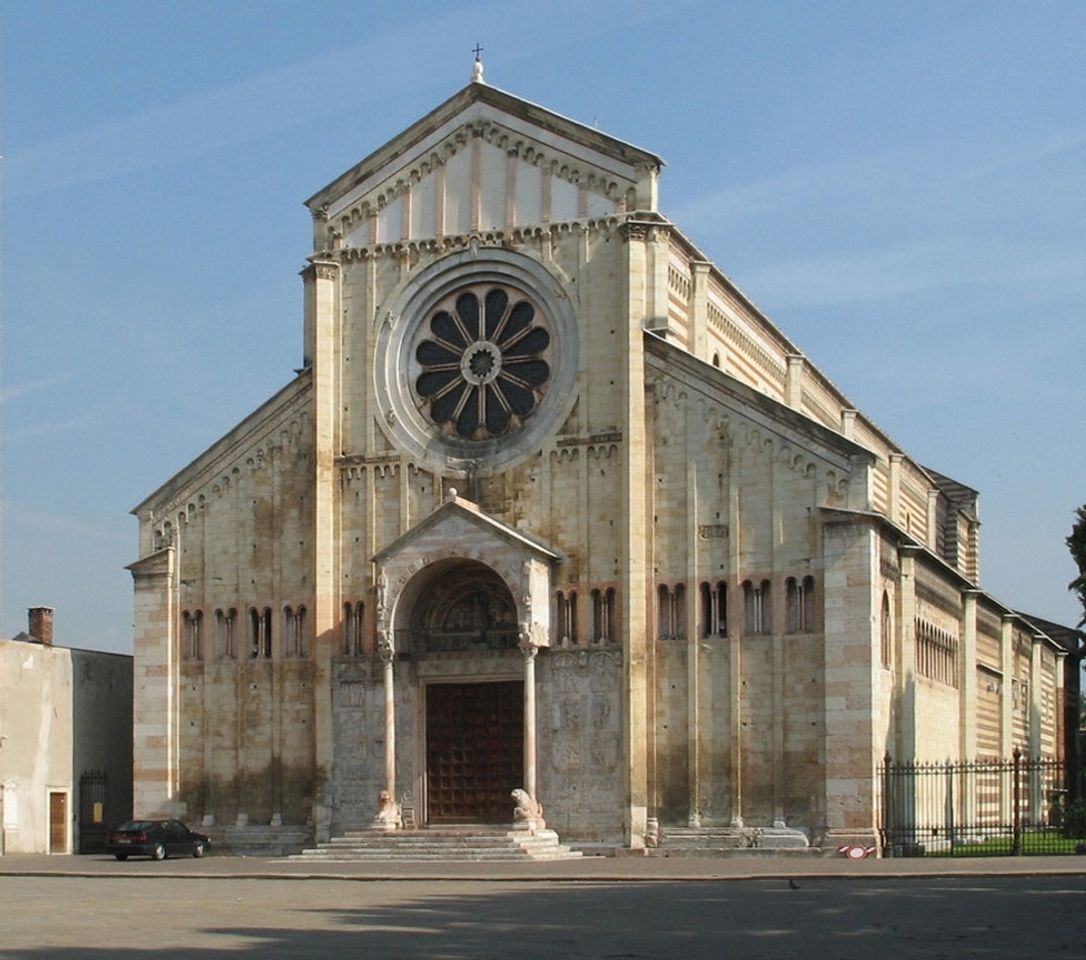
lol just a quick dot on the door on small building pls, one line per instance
(58, 822)
(93, 812)
(474, 750)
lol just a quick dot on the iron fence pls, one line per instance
(976, 808)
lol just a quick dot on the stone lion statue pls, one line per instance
(525, 807)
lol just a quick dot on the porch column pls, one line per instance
(527, 813)
(388, 813)
(530, 653)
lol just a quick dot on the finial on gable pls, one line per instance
(477, 67)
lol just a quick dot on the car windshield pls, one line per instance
(132, 825)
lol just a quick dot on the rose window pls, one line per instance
(483, 367)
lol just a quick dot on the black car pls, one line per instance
(156, 839)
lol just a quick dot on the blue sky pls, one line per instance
(900, 186)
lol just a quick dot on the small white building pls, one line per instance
(65, 742)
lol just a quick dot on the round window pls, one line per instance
(476, 360)
(484, 359)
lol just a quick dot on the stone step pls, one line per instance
(467, 843)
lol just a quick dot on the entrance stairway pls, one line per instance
(474, 842)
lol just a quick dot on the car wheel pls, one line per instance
(121, 856)
(198, 850)
(159, 853)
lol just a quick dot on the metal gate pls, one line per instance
(975, 808)
(93, 812)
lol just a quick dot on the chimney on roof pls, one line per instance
(40, 620)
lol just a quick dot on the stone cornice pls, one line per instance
(507, 238)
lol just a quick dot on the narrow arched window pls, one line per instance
(792, 605)
(808, 605)
(290, 636)
(611, 619)
(565, 617)
(230, 634)
(886, 633)
(678, 611)
(354, 617)
(663, 612)
(299, 644)
(267, 631)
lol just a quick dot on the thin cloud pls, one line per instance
(16, 517)
(791, 188)
(915, 268)
(267, 103)
(14, 392)
(33, 429)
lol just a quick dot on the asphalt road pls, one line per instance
(823, 917)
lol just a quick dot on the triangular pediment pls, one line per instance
(461, 523)
(484, 161)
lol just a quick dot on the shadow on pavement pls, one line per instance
(1002, 917)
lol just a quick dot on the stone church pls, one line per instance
(551, 506)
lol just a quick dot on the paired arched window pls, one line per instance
(566, 617)
(294, 638)
(757, 612)
(800, 606)
(226, 642)
(192, 641)
(714, 610)
(603, 616)
(260, 633)
(671, 611)
(354, 619)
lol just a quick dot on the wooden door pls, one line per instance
(58, 823)
(474, 751)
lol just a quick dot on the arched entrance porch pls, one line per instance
(462, 616)
(467, 600)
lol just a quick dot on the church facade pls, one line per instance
(551, 506)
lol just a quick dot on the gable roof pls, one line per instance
(458, 506)
(593, 142)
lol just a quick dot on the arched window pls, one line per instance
(220, 635)
(886, 633)
(192, 641)
(294, 644)
(260, 633)
(603, 616)
(566, 618)
(301, 643)
(678, 611)
(671, 611)
(230, 634)
(756, 609)
(663, 612)
(714, 610)
(354, 618)
(799, 605)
